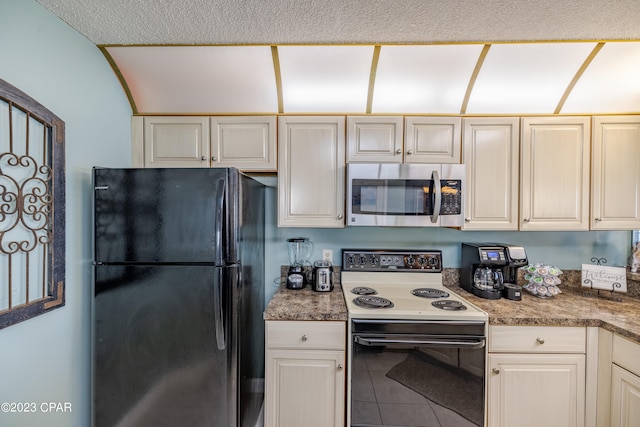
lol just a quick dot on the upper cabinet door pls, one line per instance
(615, 188)
(432, 139)
(374, 139)
(245, 142)
(176, 142)
(491, 158)
(555, 174)
(311, 171)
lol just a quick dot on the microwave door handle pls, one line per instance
(437, 196)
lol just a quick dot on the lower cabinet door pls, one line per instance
(625, 398)
(304, 388)
(534, 390)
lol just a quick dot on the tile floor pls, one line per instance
(380, 401)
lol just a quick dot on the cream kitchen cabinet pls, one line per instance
(625, 383)
(615, 181)
(375, 139)
(554, 184)
(245, 142)
(167, 141)
(490, 153)
(536, 376)
(311, 171)
(379, 139)
(305, 374)
(432, 139)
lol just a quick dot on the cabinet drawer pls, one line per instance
(537, 339)
(626, 353)
(307, 335)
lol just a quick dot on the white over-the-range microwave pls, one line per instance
(405, 195)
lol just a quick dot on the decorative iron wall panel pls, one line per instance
(32, 208)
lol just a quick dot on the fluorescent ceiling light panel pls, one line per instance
(325, 78)
(423, 79)
(199, 79)
(526, 78)
(611, 83)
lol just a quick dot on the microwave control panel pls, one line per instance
(451, 190)
(428, 261)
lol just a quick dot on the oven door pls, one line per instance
(417, 379)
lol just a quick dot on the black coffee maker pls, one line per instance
(516, 258)
(490, 270)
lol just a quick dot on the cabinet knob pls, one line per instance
(598, 219)
(339, 216)
(398, 151)
(213, 158)
(540, 340)
(495, 371)
(526, 219)
(409, 152)
(339, 367)
(203, 158)
(304, 338)
(467, 220)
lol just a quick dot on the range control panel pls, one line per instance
(427, 261)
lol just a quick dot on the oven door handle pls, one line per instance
(439, 343)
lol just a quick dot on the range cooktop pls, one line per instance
(401, 284)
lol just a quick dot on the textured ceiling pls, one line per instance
(126, 22)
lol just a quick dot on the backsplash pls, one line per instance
(570, 278)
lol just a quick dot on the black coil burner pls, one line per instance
(372, 302)
(363, 290)
(448, 304)
(430, 293)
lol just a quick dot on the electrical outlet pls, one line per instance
(327, 255)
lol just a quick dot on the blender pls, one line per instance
(299, 254)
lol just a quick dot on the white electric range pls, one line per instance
(401, 285)
(408, 332)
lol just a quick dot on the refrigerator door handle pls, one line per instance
(219, 222)
(217, 310)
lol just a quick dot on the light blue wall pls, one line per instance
(567, 250)
(46, 359)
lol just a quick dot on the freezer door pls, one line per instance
(164, 215)
(159, 359)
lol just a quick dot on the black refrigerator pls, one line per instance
(178, 335)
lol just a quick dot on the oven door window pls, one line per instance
(396, 385)
(398, 197)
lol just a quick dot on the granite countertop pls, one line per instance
(573, 307)
(306, 304)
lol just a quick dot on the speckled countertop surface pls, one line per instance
(306, 304)
(574, 307)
